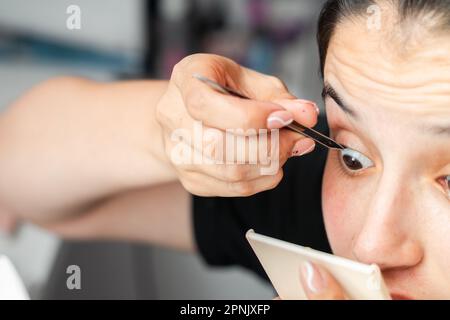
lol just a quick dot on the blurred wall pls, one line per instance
(110, 25)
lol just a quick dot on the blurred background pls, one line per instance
(144, 39)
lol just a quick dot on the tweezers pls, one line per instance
(294, 126)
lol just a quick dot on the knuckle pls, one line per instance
(177, 70)
(193, 187)
(245, 118)
(276, 180)
(277, 83)
(188, 186)
(236, 174)
(213, 150)
(243, 188)
(180, 65)
(181, 68)
(195, 102)
(160, 115)
(187, 62)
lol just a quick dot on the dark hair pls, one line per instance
(334, 11)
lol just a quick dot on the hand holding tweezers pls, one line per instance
(294, 126)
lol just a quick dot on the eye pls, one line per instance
(354, 160)
(446, 184)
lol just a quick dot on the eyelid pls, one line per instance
(341, 137)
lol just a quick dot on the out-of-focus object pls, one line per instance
(111, 36)
(282, 262)
(11, 286)
(113, 25)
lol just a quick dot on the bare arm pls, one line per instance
(159, 215)
(70, 143)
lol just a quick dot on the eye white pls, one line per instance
(358, 156)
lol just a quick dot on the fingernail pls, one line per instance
(317, 109)
(302, 147)
(279, 119)
(311, 278)
(298, 104)
(313, 106)
(309, 104)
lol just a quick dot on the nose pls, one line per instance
(388, 236)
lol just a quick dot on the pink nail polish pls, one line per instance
(279, 119)
(303, 147)
(299, 104)
(317, 109)
(311, 103)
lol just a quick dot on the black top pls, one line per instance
(291, 212)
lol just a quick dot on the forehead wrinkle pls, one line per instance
(392, 67)
(367, 73)
(387, 76)
(342, 89)
(357, 92)
(436, 89)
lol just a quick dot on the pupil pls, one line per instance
(352, 163)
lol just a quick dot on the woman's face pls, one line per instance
(387, 199)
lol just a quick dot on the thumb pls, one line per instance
(319, 284)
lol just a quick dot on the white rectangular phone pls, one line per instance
(282, 260)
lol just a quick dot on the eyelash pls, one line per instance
(344, 168)
(445, 180)
(343, 171)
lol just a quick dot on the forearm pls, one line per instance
(159, 215)
(69, 143)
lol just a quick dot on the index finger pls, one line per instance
(216, 109)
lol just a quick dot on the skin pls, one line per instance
(396, 212)
(85, 141)
(187, 100)
(89, 141)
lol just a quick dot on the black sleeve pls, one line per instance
(291, 212)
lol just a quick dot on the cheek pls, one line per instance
(340, 208)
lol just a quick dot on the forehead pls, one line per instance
(387, 68)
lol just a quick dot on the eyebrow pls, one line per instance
(328, 91)
(438, 130)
